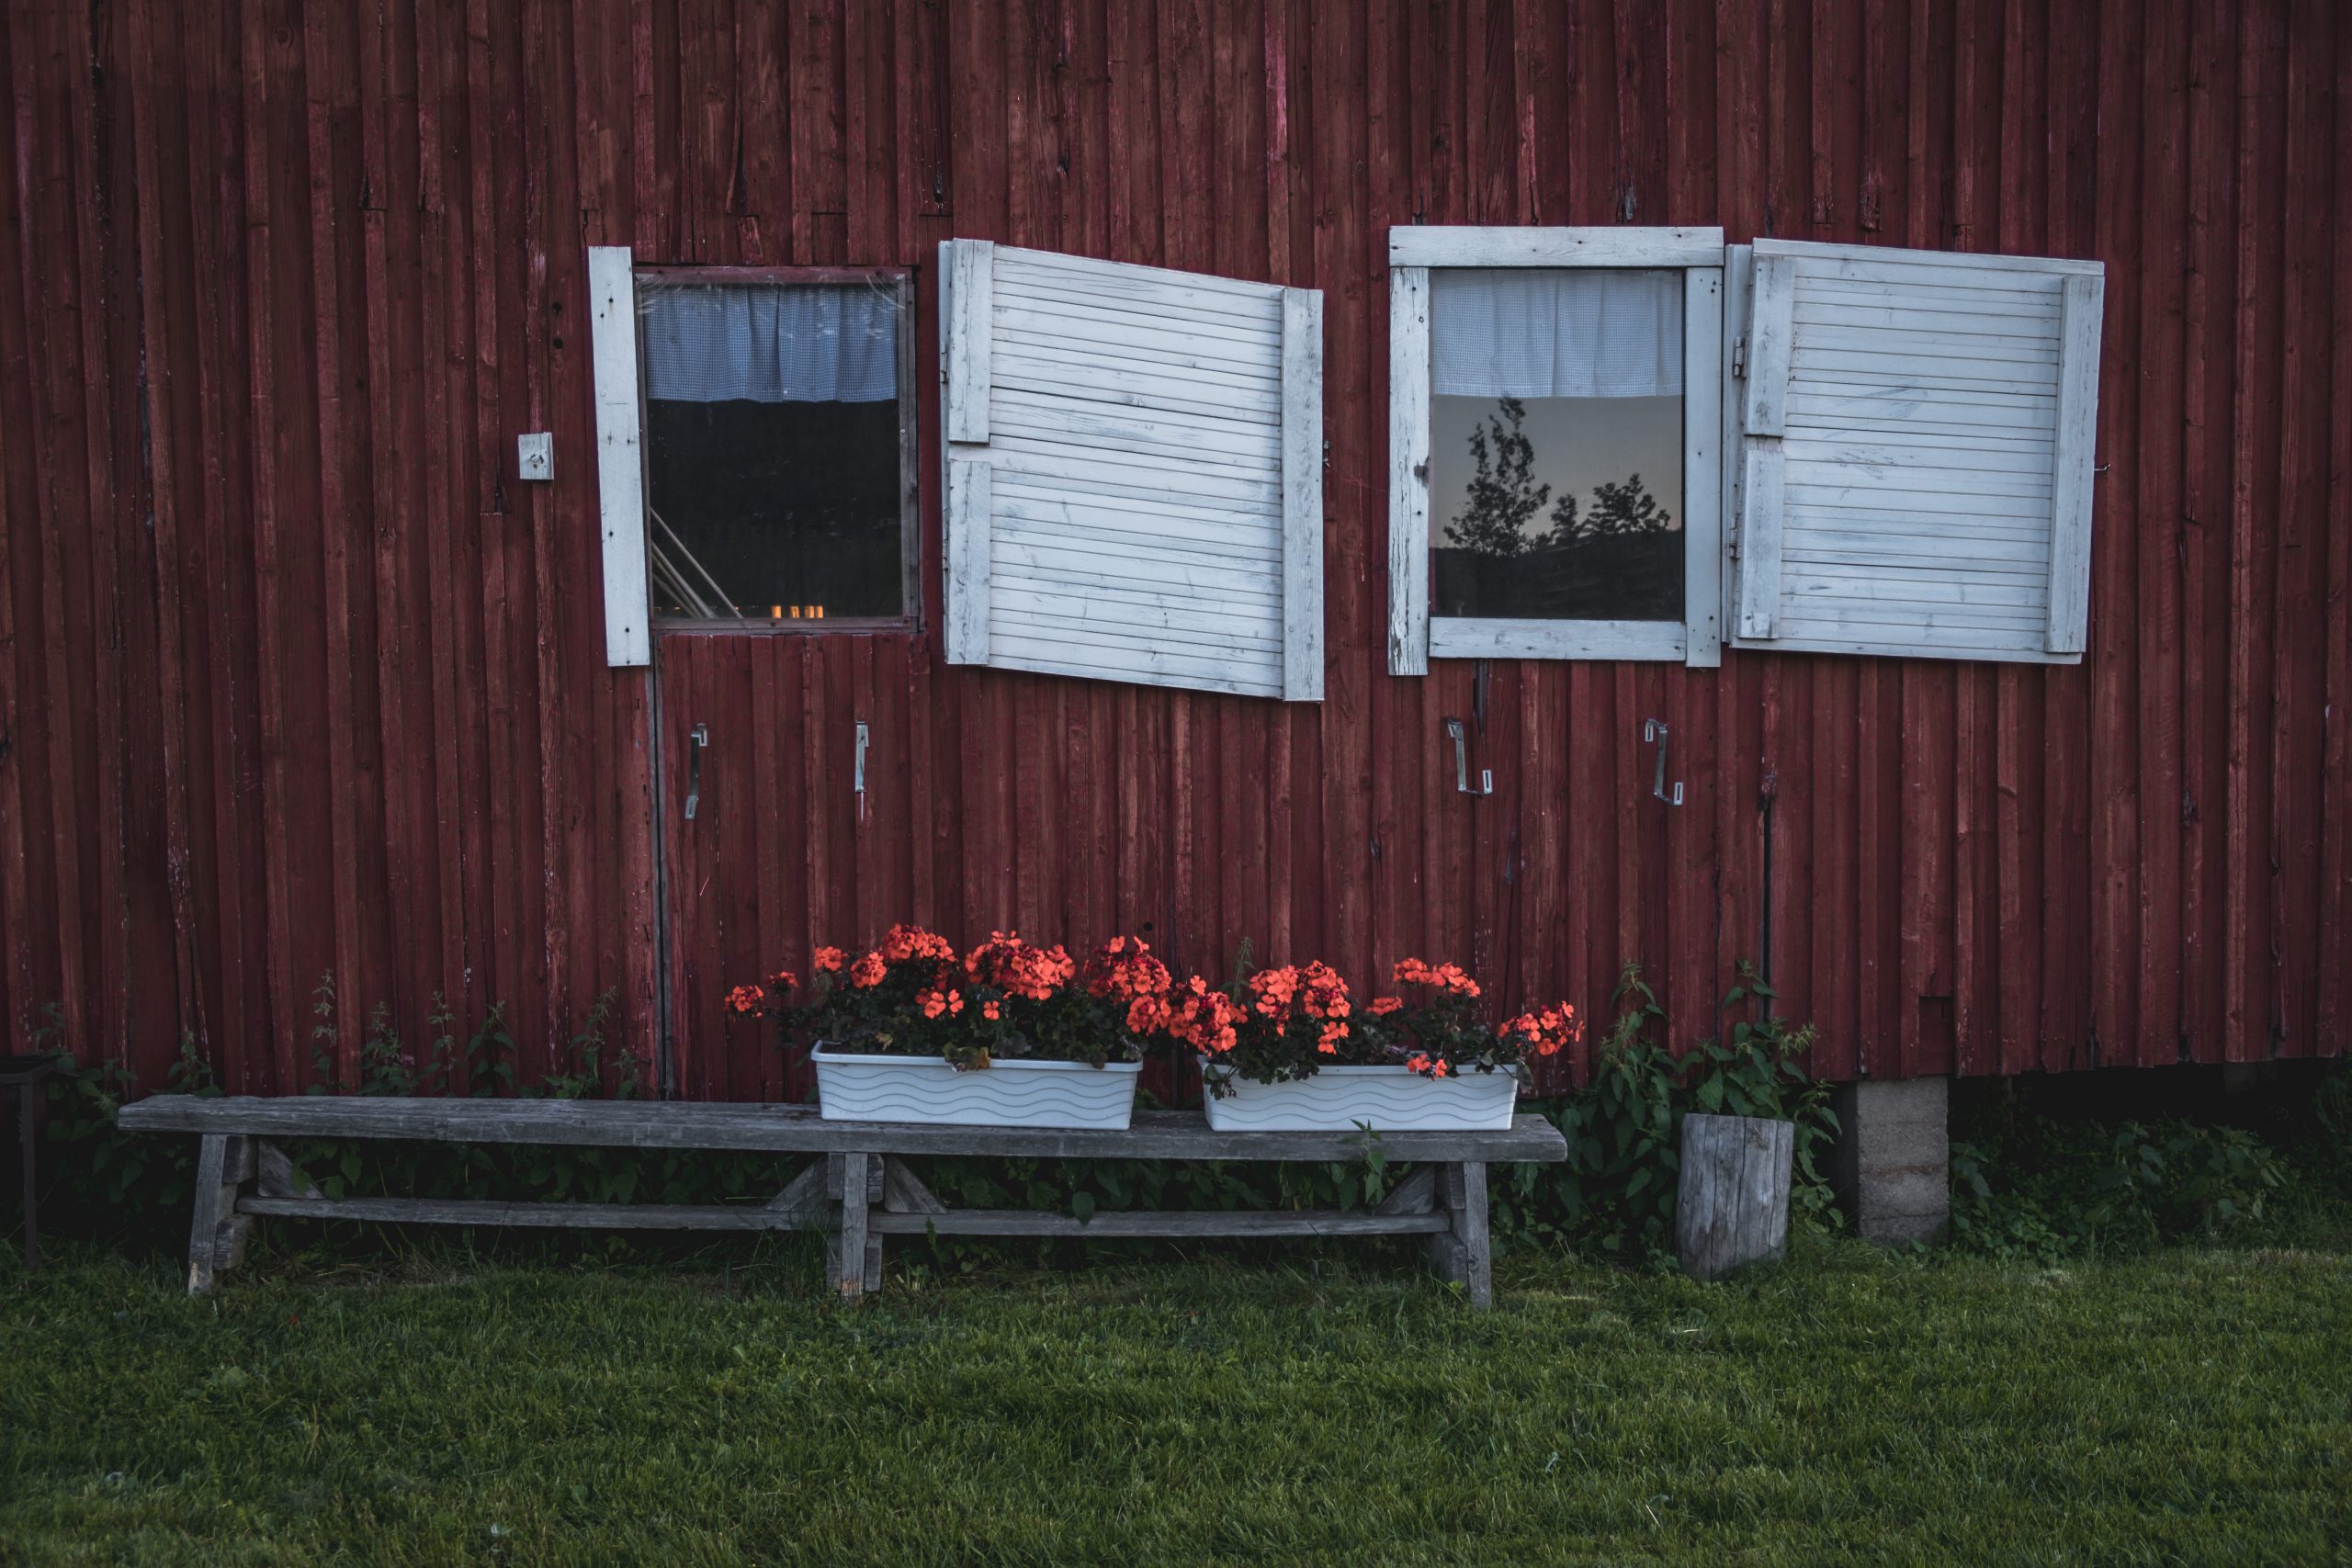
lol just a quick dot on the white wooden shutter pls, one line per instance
(1914, 475)
(620, 471)
(1134, 472)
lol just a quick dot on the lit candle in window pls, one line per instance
(776, 612)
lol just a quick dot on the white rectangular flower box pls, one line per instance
(852, 1088)
(1335, 1099)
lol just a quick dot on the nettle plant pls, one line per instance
(1293, 1022)
(1006, 999)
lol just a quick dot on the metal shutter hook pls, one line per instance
(1454, 726)
(697, 738)
(1654, 730)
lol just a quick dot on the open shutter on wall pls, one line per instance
(1914, 475)
(1135, 472)
(620, 476)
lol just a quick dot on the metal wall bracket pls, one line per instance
(1653, 730)
(697, 738)
(1454, 728)
(858, 778)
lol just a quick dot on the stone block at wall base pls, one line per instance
(1894, 1157)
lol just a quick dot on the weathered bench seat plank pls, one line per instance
(858, 1191)
(797, 1129)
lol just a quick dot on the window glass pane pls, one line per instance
(773, 450)
(1555, 473)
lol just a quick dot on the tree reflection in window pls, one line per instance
(1537, 520)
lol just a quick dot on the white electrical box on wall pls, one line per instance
(534, 455)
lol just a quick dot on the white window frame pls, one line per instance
(1414, 636)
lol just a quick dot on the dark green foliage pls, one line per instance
(1616, 1192)
(2028, 1187)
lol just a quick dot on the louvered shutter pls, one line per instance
(1915, 470)
(1135, 472)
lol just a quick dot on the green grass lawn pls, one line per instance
(1336, 1408)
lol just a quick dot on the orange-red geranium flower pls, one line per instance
(746, 998)
(1451, 979)
(827, 960)
(1019, 968)
(992, 1011)
(1204, 1017)
(868, 971)
(784, 981)
(934, 1001)
(902, 943)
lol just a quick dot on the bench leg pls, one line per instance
(854, 1253)
(1463, 1254)
(217, 1233)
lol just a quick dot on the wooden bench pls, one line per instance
(859, 1191)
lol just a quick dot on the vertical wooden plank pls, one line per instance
(1770, 328)
(2250, 978)
(1408, 470)
(620, 483)
(2334, 789)
(1302, 495)
(2081, 315)
(969, 507)
(968, 269)
(1759, 537)
(1704, 450)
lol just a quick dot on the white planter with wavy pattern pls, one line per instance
(1004, 1094)
(1388, 1100)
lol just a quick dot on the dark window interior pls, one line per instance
(775, 509)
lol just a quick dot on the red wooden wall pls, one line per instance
(295, 679)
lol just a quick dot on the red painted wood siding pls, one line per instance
(295, 677)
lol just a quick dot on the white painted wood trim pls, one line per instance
(1303, 495)
(1425, 245)
(620, 457)
(1738, 265)
(968, 269)
(1771, 319)
(1966, 261)
(1702, 452)
(967, 560)
(1759, 537)
(1495, 637)
(2080, 311)
(1875, 648)
(1408, 470)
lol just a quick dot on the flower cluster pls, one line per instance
(1545, 1033)
(1316, 993)
(1436, 1029)
(1017, 968)
(1203, 1017)
(1448, 980)
(912, 995)
(1122, 974)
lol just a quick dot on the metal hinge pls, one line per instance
(1740, 355)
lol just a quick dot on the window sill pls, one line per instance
(807, 626)
(1466, 639)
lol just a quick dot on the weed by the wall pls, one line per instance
(1616, 1192)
